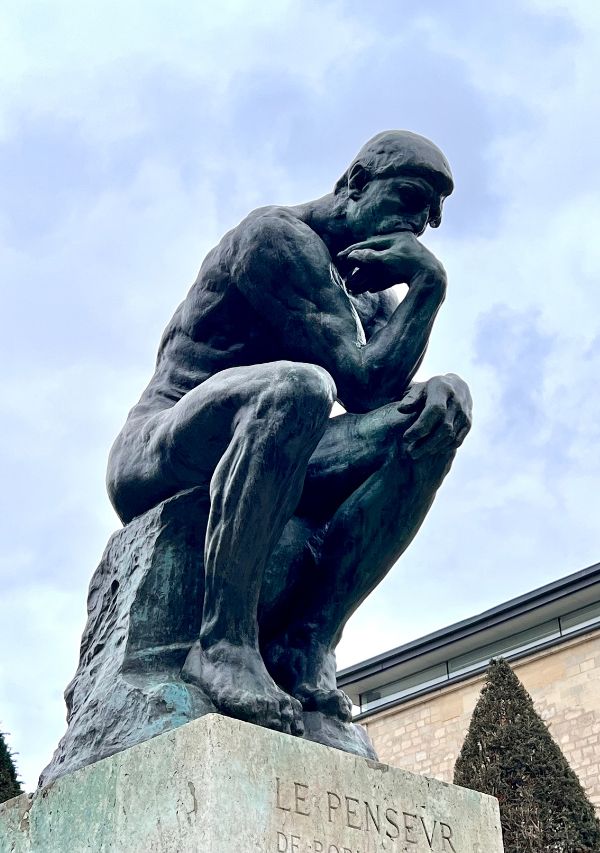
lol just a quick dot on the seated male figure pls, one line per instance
(294, 309)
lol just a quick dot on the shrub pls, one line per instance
(510, 753)
(9, 784)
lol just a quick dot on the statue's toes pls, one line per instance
(337, 704)
(281, 713)
(272, 715)
(286, 716)
(297, 725)
(290, 711)
(345, 706)
(243, 705)
(332, 703)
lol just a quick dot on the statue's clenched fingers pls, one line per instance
(461, 393)
(462, 420)
(441, 439)
(462, 434)
(413, 400)
(443, 424)
(432, 415)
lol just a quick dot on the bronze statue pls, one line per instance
(290, 311)
(294, 309)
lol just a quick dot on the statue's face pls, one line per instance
(388, 204)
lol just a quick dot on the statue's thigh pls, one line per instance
(180, 447)
(193, 435)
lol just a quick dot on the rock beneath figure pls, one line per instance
(144, 613)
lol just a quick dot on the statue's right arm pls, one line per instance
(283, 269)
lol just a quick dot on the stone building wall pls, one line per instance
(425, 735)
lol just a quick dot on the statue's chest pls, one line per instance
(338, 282)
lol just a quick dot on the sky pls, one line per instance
(134, 133)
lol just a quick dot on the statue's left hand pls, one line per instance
(445, 411)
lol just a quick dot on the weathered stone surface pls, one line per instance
(144, 613)
(219, 785)
(144, 608)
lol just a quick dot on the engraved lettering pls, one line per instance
(279, 806)
(352, 813)
(332, 806)
(369, 814)
(333, 849)
(391, 820)
(346, 850)
(409, 827)
(281, 842)
(427, 835)
(300, 799)
(294, 839)
(443, 827)
(318, 846)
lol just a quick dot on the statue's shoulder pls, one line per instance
(274, 222)
(270, 214)
(274, 237)
(252, 252)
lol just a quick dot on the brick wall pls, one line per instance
(425, 735)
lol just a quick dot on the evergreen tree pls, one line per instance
(508, 752)
(9, 784)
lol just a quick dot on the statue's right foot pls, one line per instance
(236, 680)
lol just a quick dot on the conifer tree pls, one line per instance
(509, 752)
(9, 784)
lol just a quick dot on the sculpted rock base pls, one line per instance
(144, 613)
(219, 785)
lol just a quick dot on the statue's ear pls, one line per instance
(358, 178)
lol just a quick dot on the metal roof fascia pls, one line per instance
(525, 603)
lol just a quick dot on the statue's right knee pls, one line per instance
(305, 394)
(307, 388)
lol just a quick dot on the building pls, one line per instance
(416, 701)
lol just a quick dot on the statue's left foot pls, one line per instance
(332, 703)
(308, 674)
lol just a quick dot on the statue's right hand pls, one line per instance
(392, 258)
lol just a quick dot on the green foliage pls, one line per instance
(509, 752)
(9, 784)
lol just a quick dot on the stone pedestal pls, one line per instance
(218, 785)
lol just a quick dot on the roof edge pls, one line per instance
(473, 624)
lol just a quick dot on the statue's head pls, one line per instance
(397, 181)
